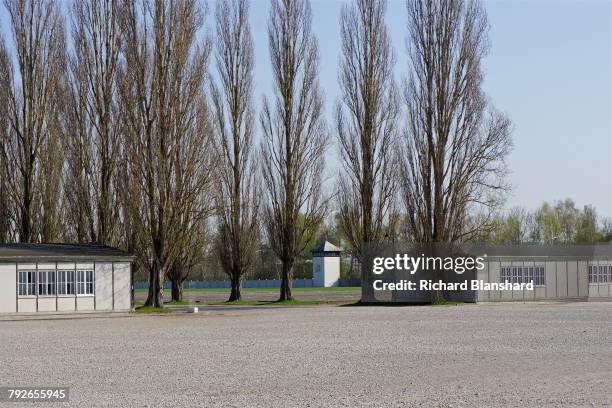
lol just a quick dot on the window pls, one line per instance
(539, 278)
(52, 283)
(65, 282)
(42, 283)
(85, 284)
(27, 283)
(89, 282)
(530, 274)
(46, 283)
(523, 274)
(600, 273)
(603, 273)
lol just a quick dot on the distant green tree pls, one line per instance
(511, 229)
(568, 215)
(587, 226)
(548, 225)
(557, 223)
(515, 227)
(606, 230)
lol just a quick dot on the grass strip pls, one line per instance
(151, 309)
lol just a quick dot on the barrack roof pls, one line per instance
(326, 246)
(61, 252)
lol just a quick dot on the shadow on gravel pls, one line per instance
(386, 304)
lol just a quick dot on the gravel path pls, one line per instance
(505, 355)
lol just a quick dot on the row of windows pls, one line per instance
(600, 273)
(51, 283)
(523, 274)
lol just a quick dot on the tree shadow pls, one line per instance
(386, 304)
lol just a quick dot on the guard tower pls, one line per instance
(326, 265)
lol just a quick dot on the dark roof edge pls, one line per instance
(60, 258)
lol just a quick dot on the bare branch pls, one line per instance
(294, 137)
(238, 192)
(168, 136)
(366, 123)
(31, 79)
(455, 144)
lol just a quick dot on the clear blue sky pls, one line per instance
(549, 69)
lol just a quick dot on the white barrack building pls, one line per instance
(39, 278)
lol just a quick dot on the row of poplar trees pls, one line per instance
(127, 123)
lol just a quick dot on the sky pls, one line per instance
(549, 69)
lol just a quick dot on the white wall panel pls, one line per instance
(123, 282)
(494, 275)
(46, 266)
(46, 304)
(85, 303)
(104, 286)
(483, 275)
(65, 266)
(8, 288)
(27, 305)
(583, 278)
(87, 265)
(551, 279)
(28, 266)
(65, 304)
(562, 284)
(572, 278)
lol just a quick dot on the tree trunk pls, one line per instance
(156, 285)
(236, 293)
(26, 231)
(368, 294)
(177, 289)
(438, 295)
(132, 299)
(286, 283)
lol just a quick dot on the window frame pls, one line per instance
(34, 283)
(29, 283)
(600, 273)
(603, 273)
(83, 282)
(47, 280)
(523, 274)
(66, 285)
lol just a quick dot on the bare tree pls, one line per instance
(191, 255)
(31, 81)
(195, 176)
(49, 197)
(168, 136)
(366, 123)
(5, 209)
(455, 143)
(94, 122)
(80, 218)
(6, 227)
(238, 191)
(294, 139)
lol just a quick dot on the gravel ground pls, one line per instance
(504, 355)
